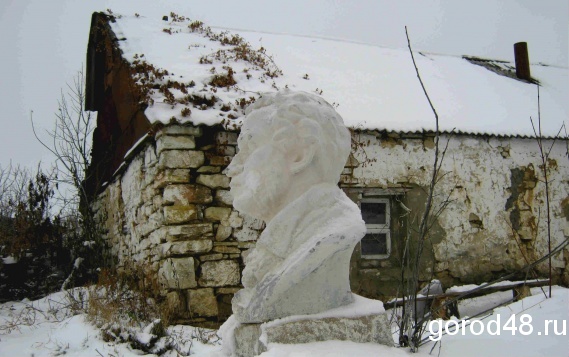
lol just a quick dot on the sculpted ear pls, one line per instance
(300, 141)
(304, 154)
(309, 134)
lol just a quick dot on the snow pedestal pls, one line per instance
(363, 321)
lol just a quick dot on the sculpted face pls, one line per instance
(289, 142)
(259, 172)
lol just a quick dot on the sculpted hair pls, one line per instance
(305, 115)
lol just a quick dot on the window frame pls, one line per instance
(378, 228)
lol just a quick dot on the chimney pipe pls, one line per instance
(522, 61)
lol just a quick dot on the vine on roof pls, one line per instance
(151, 80)
(240, 50)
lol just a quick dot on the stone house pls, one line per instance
(170, 95)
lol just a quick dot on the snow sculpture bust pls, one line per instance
(292, 150)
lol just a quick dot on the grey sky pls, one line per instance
(43, 43)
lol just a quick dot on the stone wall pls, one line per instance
(168, 209)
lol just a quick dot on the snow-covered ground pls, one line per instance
(51, 327)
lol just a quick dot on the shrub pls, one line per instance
(126, 305)
(32, 238)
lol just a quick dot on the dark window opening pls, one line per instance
(374, 212)
(376, 244)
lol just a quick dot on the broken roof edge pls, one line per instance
(98, 29)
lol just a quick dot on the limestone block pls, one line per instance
(253, 223)
(246, 245)
(234, 220)
(209, 170)
(131, 183)
(181, 159)
(150, 175)
(227, 244)
(208, 257)
(157, 202)
(247, 341)
(226, 138)
(202, 302)
(362, 329)
(227, 290)
(219, 160)
(158, 236)
(148, 208)
(186, 247)
(213, 181)
(143, 245)
(246, 234)
(224, 197)
(226, 250)
(148, 193)
(223, 232)
(441, 266)
(348, 180)
(150, 158)
(225, 150)
(167, 142)
(180, 214)
(178, 273)
(154, 266)
(189, 232)
(169, 176)
(174, 302)
(217, 213)
(219, 273)
(153, 222)
(186, 194)
(180, 130)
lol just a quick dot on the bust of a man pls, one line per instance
(292, 149)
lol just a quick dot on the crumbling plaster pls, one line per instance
(485, 180)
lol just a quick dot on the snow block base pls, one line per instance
(253, 339)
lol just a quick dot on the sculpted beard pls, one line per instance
(262, 187)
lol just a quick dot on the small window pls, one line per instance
(374, 213)
(376, 244)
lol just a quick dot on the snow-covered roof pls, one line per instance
(371, 87)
